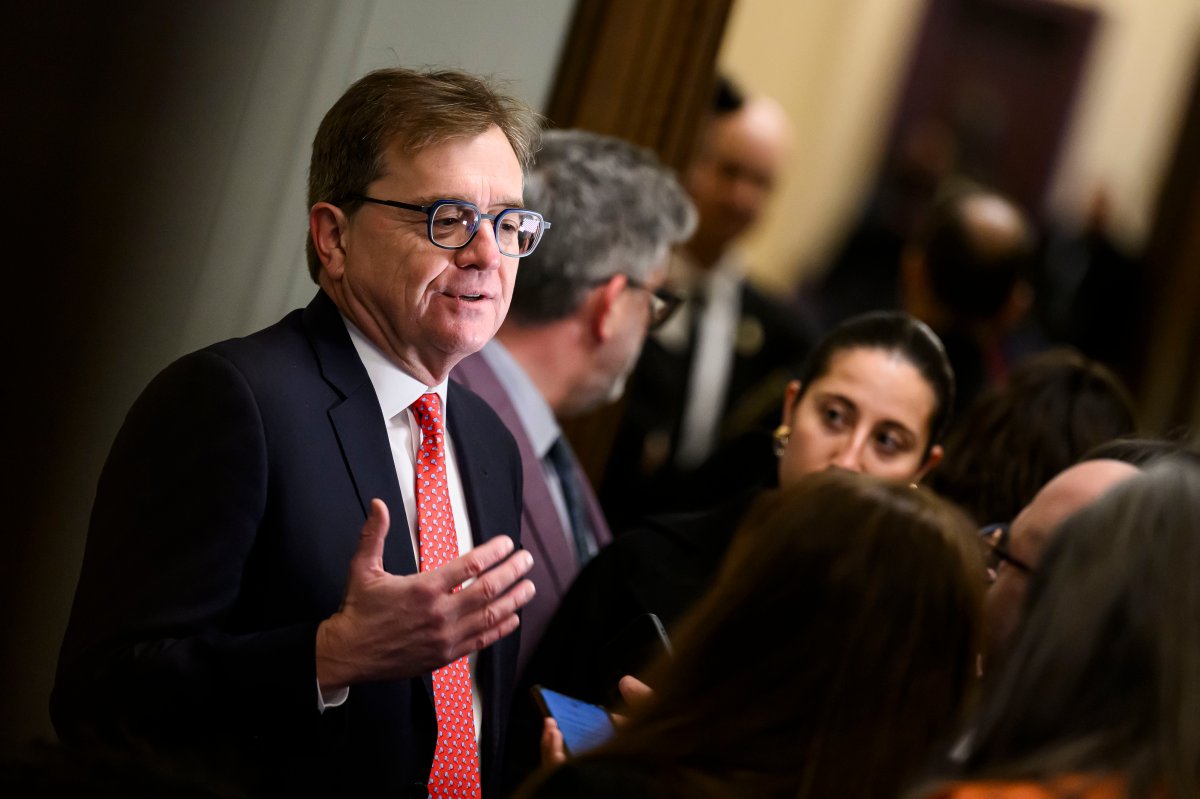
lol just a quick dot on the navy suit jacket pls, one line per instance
(221, 535)
(554, 563)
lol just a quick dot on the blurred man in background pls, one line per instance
(717, 371)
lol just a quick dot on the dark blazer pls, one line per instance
(221, 534)
(641, 478)
(542, 533)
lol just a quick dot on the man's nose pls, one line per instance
(482, 251)
(747, 197)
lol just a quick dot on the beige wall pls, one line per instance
(838, 66)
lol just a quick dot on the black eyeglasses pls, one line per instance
(996, 538)
(454, 223)
(663, 302)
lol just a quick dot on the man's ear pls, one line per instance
(327, 226)
(602, 307)
(936, 453)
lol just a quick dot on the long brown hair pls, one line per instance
(833, 651)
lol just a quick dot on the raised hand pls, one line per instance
(398, 626)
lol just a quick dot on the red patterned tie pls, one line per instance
(455, 771)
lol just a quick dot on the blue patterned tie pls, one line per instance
(563, 461)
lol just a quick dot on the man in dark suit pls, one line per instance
(230, 614)
(707, 388)
(580, 312)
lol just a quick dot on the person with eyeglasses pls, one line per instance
(582, 306)
(1016, 549)
(709, 381)
(1100, 693)
(303, 568)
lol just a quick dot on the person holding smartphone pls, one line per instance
(819, 664)
(873, 397)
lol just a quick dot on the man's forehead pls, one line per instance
(1070, 490)
(454, 158)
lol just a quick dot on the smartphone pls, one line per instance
(583, 725)
(644, 635)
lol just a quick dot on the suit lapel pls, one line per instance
(474, 465)
(547, 540)
(358, 423)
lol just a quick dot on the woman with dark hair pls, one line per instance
(886, 367)
(1100, 696)
(1053, 408)
(832, 654)
(873, 397)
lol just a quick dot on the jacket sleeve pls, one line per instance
(152, 649)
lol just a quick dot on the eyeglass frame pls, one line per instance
(669, 299)
(432, 208)
(996, 537)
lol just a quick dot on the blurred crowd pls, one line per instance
(900, 534)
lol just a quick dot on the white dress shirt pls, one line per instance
(715, 323)
(397, 391)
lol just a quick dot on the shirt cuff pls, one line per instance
(335, 699)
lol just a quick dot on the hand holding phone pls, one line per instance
(583, 725)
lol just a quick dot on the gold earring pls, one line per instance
(779, 439)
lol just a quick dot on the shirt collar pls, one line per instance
(532, 409)
(396, 389)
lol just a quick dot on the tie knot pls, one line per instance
(560, 453)
(428, 410)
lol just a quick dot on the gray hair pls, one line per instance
(615, 208)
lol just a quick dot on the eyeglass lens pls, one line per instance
(453, 225)
(659, 310)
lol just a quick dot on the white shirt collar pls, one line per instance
(396, 389)
(532, 409)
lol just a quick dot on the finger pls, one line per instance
(487, 629)
(368, 558)
(553, 750)
(476, 621)
(498, 582)
(474, 563)
(634, 691)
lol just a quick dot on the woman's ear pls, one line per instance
(936, 453)
(790, 394)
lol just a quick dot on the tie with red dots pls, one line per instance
(455, 771)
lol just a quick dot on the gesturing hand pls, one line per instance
(398, 626)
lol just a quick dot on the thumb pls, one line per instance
(369, 555)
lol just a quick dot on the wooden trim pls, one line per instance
(1169, 397)
(642, 70)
